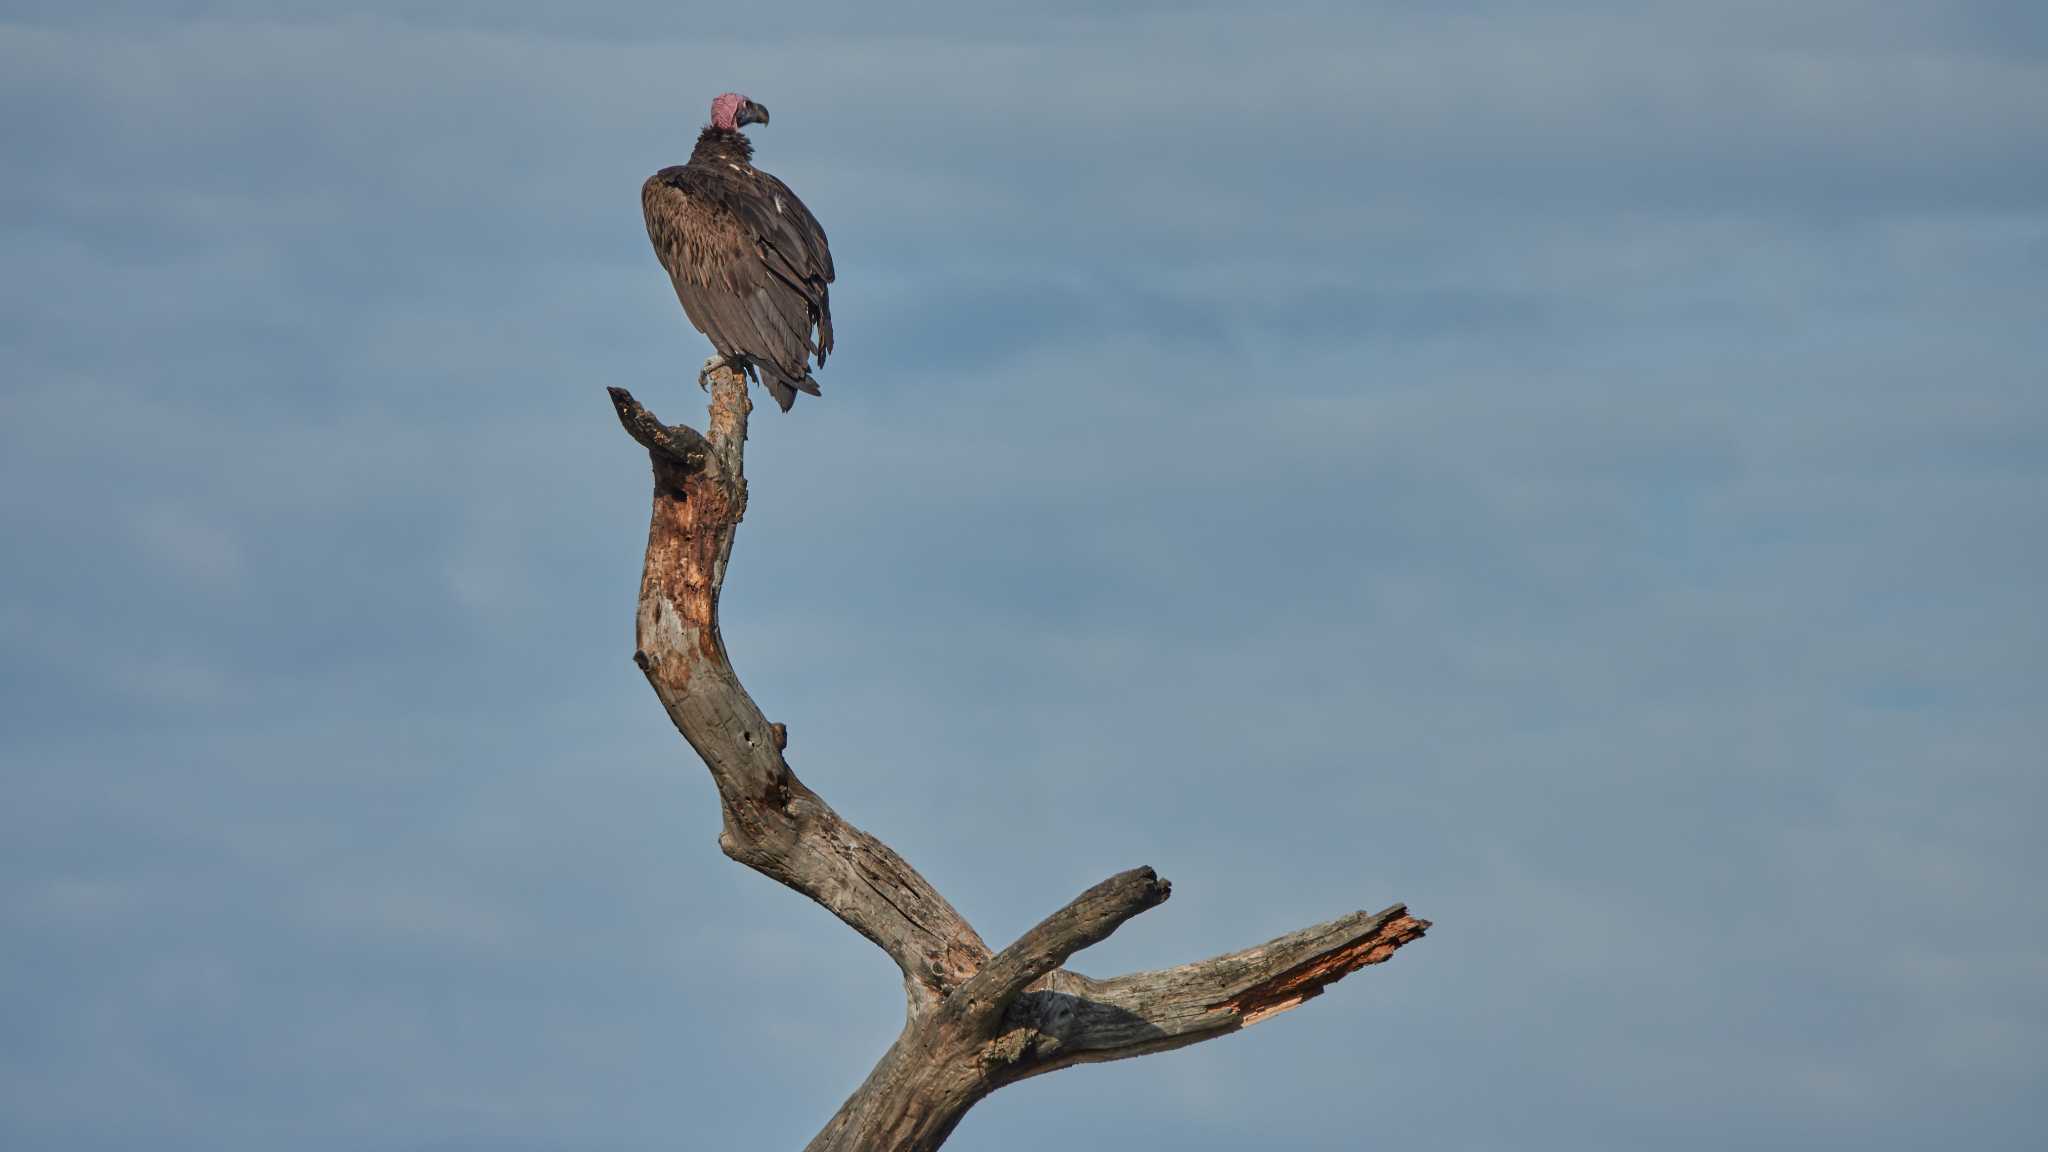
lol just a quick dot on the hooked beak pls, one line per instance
(751, 113)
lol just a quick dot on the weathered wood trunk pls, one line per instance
(976, 1020)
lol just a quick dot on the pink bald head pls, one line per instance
(732, 112)
(725, 111)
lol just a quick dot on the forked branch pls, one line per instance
(975, 1021)
(1088, 919)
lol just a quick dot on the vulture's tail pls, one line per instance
(784, 389)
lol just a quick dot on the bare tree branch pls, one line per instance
(974, 1022)
(1088, 919)
(681, 445)
(1071, 1019)
(773, 823)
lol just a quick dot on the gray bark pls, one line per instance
(975, 1020)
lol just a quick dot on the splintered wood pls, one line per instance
(1306, 980)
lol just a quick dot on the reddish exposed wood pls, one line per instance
(1308, 979)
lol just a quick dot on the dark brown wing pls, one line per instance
(750, 284)
(797, 249)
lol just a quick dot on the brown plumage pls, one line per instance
(748, 260)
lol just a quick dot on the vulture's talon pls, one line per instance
(710, 366)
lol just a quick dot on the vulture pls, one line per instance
(747, 259)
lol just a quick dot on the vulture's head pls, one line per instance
(732, 111)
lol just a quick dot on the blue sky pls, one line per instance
(1579, 469)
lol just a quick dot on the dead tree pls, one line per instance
(976, 1019)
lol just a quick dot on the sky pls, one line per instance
(1580, 469)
